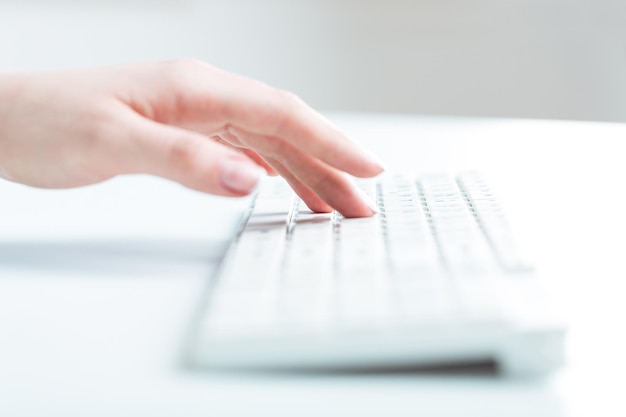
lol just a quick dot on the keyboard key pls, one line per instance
(435, 257)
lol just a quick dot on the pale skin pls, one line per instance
(183, 120)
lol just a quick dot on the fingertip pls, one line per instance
(359, 210)
(365, 199)
(317, 206)
(369, 165)
(377, 163)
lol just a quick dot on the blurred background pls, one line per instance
(563, 59)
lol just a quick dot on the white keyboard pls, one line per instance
(434, 278)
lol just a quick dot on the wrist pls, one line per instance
(10, 87)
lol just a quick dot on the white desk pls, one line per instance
(97, 284)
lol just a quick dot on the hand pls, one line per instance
(183, 120)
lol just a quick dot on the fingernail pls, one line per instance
(239, 175)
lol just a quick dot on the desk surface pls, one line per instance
(97, 284)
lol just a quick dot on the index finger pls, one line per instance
(258, 108)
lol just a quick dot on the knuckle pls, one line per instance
(289, 99)
(184, 64)
(183, 71)
(287, 105)
(182, 154)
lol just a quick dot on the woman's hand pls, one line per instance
(183, 120)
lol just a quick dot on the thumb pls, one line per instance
(191, 159)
